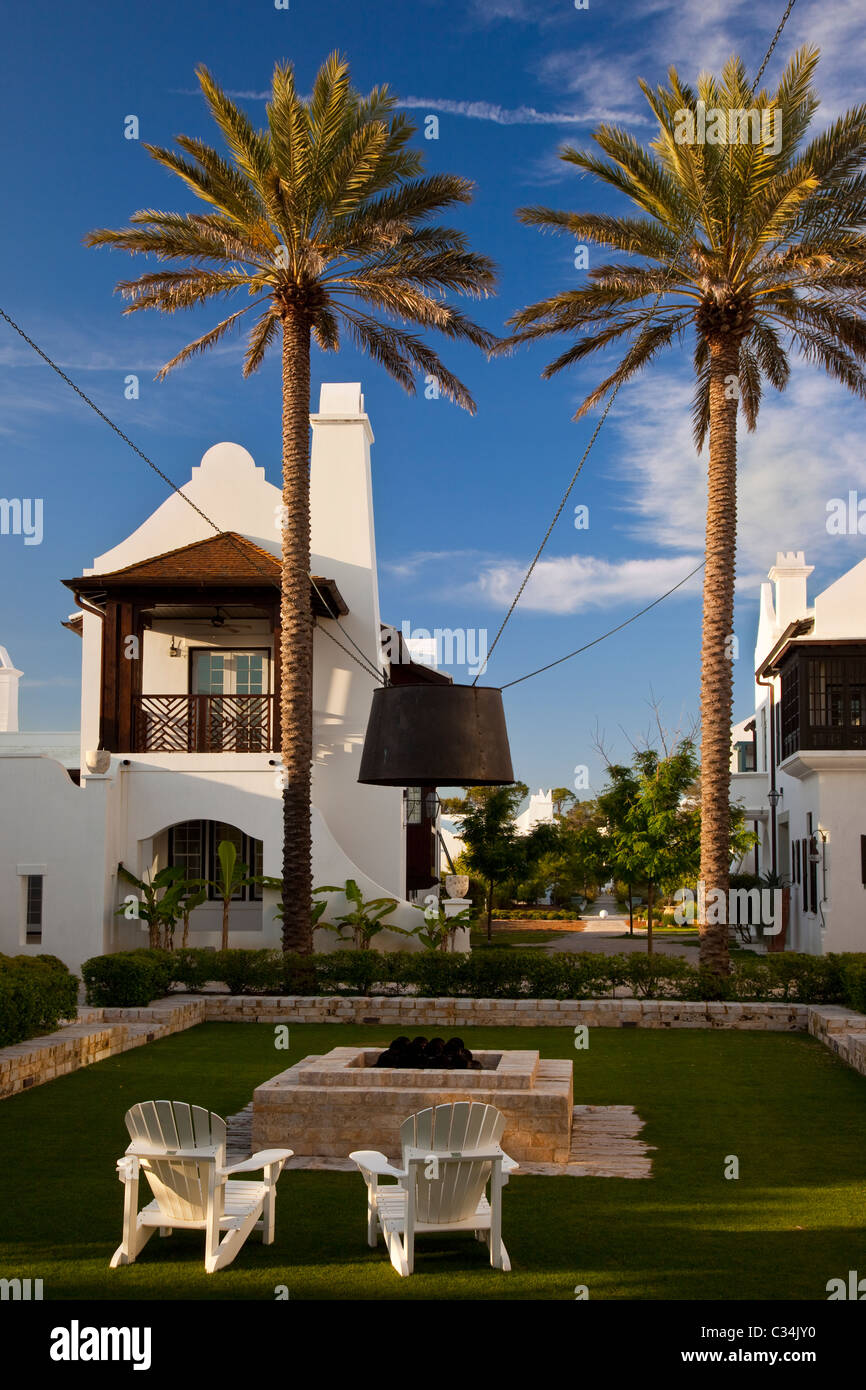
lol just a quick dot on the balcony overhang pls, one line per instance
(807, 762)
(226, 569)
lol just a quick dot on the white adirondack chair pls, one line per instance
(450, 1154)
(181, 1150)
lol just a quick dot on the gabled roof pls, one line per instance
(227, 559)
(225, 556)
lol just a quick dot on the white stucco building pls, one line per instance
(179, 737)
(799, 763)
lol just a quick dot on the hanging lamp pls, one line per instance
(436, 735)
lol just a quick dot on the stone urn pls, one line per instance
(97, 760)
(457, 885)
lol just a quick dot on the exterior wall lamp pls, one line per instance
(774, 796)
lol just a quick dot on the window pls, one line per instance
(804, 856)
(814, 853)
(33, 909)
(192, 846)
(227, 672)
(414, 806)
(186, 848)
(745, 756)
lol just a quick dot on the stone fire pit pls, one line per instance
(325, 1106)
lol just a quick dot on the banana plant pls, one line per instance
(231, 878)
(193, 893)
(438, 930)
(159, 912)
(276, 886)
(365, 920)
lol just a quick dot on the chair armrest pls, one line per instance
(127, 1168)
(415, 1155)
(263, 1159)
(371, 1161)
(509, 1165)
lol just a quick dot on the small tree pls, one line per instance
(659, 839)
(613, 806)
(157, 903)
(562, 798)
(493, 848)
(231, 879)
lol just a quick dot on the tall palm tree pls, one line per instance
(756, 247)
(322, 220)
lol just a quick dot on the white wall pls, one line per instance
(50, 826)
(828, 786)
(82, 833)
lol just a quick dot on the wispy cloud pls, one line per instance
(578, 583)
(789, 470)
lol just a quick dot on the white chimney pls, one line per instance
(789, 574)
(9, 678)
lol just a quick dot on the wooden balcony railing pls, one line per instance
(203, 724)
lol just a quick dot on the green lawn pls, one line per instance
(478, 939)
(793, 1114)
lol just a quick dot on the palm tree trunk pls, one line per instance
(296, 638)
(717, 677)
(227, 907)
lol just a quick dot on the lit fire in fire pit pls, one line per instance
(433, 1053)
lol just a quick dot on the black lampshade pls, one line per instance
(436, 735)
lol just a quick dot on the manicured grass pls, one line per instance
(791, 1112)
(512, 938)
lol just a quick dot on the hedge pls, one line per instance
(128, 979)
(533, 914)
(134, 978)
(36, 993)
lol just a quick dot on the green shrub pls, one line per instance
(36, 993)
(357, 972)
(298, 974)
(194, 966)
(134, 978)
(125, 979)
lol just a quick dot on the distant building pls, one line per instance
(804, 749)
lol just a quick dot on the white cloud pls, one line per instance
(577, 583)
(807, 449)
(512, 115)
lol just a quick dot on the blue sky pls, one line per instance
(461, 502)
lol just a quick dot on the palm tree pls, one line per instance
(322, 220)
(757, 248)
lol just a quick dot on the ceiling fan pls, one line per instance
(218, 621)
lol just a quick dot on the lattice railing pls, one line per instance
(203, 724)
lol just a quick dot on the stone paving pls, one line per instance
(604, 1144)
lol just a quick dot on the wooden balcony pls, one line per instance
(823, 703)
(203, 724)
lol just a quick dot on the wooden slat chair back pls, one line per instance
(181, 1150)
(180, 1186)
(442, 1132)
(450, 1154)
